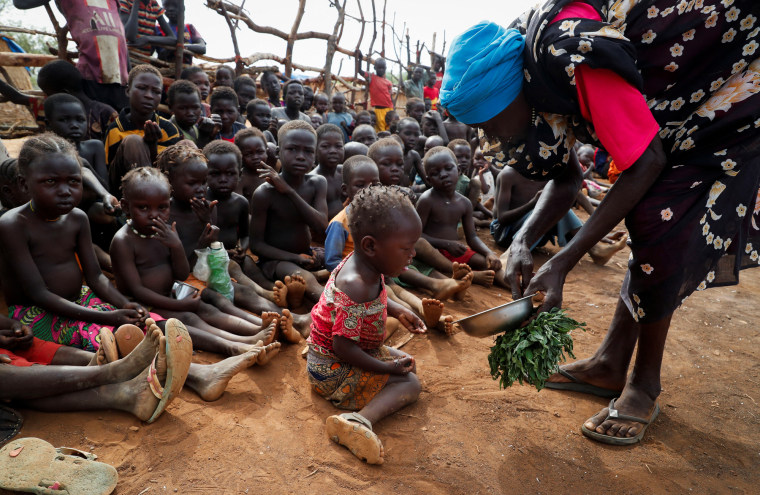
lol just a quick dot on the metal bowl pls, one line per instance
(499, 319)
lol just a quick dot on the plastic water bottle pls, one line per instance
(219, 277)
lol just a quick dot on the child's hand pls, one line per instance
(307, 261)
(210, 126)
(493, 262)
(142, 312)
(210, 234)
(402, 366)
(23, 334)
(119, 317)
(432, 114)
(139, 42)
(192, 303)
(167, 235)
(4, 359)
(111, 205)
(411, 321)
(237, 255)
(456, 249)
(271, 176)
(152, 132)
(203, 208)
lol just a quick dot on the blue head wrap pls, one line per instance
(483, 72)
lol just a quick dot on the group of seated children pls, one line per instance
(325, 231)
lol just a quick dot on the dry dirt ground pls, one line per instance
(464, 436)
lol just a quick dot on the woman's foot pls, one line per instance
(592, 372)
(632, 402)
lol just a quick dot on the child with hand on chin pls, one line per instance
(347, 362)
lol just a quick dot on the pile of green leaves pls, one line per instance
(533, 352)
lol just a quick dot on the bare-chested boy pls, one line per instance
(442, 208)
(329, 159)
(253, 148)
(291, 203)
(409, 132)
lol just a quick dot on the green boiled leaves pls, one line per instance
(532, 353)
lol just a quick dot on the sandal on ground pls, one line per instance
(108, 344)
(613, 413)
(127, 338)
(577, 385)
(10, 423)
(179, 355)
(354, 431)
(32, 465)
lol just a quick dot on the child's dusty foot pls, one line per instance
(212, 379)
(483, 277)
(445, 288)
(459, 270)
(280, 292)
(267, 334)
(286, 327)
(607, 247)
(445, 324)
(296, 287)
(137, 391)
(139, 358)
(355, 433)
(432, 309)
(268, 317)
(267, 352)
(302, 323)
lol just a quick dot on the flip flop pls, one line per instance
(10, 423)
(179, 355)
(108, 344)
(576, 385)
(32, 465)
(127, 337)
(614, 414)
(354, 431)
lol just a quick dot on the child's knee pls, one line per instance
(415, 387)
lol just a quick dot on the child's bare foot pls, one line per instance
(484, 277)
(267, 334)
(268, 317)
(432, 309)
(267, 352)
(296, 287)
(302, 323)
(280, 292)
(445, 288)
(445, 324)
(459, 270)
(136, 361)
(286, 327)
(137, 391)
(210, 381)
(607, 247)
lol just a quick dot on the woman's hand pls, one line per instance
(519, 268)
(550, 281)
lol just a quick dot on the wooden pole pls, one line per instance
(238, 60)
(25, 59)
(358, 45)
(60, 33)
(332, 43)
(179, 54)
(382, 48)
(292, 38)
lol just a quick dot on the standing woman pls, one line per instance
(670, 89)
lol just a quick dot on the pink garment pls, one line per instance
(620, 115)
(98, 32)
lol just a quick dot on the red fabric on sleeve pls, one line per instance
(620, 115)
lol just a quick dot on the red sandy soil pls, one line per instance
(464, 436)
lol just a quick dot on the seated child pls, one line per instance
(291, 203)
(466, 186)
(259, 114)
(11, 195)
(485, 172)
(409, 132)
(347, 362)
(224, 76)
(329, 157)
(340, 117)
(321, 105)
(364, 134)
(442, 208)
(198, 76)
(253, 148)
(292, 93)
(245, 87)
(352, 148)
(149, 257)
(224, 103)
(358, 172)
(139, 134)
(50, 377)
(184, 99)
(47, 252)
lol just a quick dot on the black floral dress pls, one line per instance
(697, 62)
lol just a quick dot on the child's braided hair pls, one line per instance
(177, 155)
(375, 211)
(41, 145)
(142, 175)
